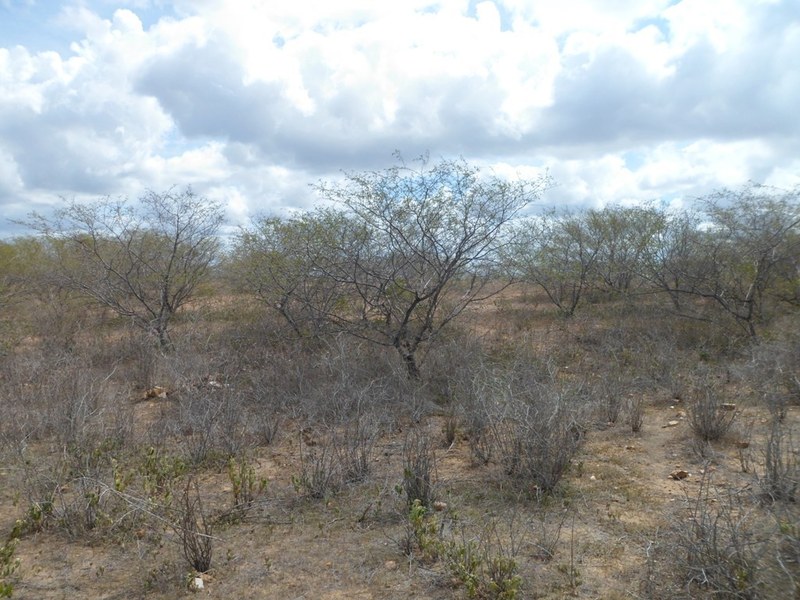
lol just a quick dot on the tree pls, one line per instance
(671, 256)
(621, 237)
(404, 252)
(425, 245)
(741, 252)
(752, 234)
(143, 261)
(8, 287)
(278, 260)
(30, 295)
(557, 253)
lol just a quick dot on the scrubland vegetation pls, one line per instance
(413, 392)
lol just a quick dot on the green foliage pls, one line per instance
(245, 486)
(8, 566)
(36, 519)
(473, 563)
(464, 564)
(426, 530)
(159, 473)
(569, 255)
(286, 263)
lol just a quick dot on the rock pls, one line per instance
(196, 584)
(155, 392)
(679, 474)
(390, 565)
(670, 424)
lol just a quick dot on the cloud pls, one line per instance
(622, 101)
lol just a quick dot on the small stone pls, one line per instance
(670, 424)
(196, 584)
(592, 478)
(390, 565)
(630, 447)
(729, 406)
(155, 392)
(681, 414)
(439, 506)
(679, 474)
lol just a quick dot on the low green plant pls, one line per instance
(464, 564)
(483, 569)
(8, 566)
(245, 485)
(159, 472)
(501, 580)
(476, 563)
(423, 534)
(36, 519)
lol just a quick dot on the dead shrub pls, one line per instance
(348, 376)
(143, 358)
(355, 444)
(784, 578)
(774, 372)
(611, 391)
(780, 478)
(212, 423)
(636, 412)
(538, 434)
(267, 409)
(419, 468)
(718, 546)
(334, 456)
(194, 528)
(320, 470)
(710, 417)
(477, 414)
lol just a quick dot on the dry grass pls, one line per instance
(121, 512)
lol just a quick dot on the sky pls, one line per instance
(252, 101)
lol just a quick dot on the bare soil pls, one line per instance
(619, 496)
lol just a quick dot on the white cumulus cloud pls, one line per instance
(249, 102)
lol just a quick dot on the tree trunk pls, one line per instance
(409, 360)
(411, 366)
(164, 341)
